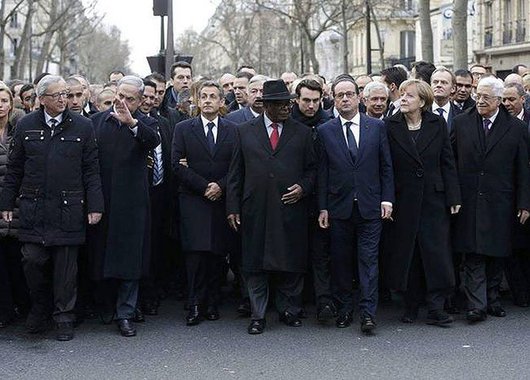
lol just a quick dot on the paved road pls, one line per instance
(166, 349)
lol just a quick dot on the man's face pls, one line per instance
(513, 102)
(477, 72)
(227, 82)
(240, 90)
(464, 87)
(28, 99)
(346, 99)
(54, 99)
(442, 86)
(278, 111)
(255, 92)
(288, 78)
(105, 101)
(362, 81)
(181, 79)
(159, 93)
(130, 95)
(376, 102)
(86, 88)
(487, 102)
(76, 98)
(210, 102)
(148, 102)
(115, 77)
(308, 101)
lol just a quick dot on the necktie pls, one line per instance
(440, 111)
(158, 169)
(486, 124)
(352, 143)
(209, 137)
(53, 124)
(275, 136)
(390, 111)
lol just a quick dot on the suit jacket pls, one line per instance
(453, 111)
(274, 235)
(494, 180)
(203, 224)
(240, 116)
(369, 178)
(469, 103)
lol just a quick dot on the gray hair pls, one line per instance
(211, 83)
(374, 86)
(517, 86)
(258, 78)
(495, 83)
(45, 82)
(133, 80)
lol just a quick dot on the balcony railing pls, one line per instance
(520, 32)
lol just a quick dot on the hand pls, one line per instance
(122, 113)
(523, 216)
(323, 219)
(213, 191)
(386, 211)
(234, 221)
(7, 216)
(94, 217)
(294, 194)
(455, 209)
(183, 162)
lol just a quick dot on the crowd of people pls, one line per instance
(341, 193)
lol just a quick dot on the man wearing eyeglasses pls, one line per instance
(355, 192)
(492, 160)
(53, 170)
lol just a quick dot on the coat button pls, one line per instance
(482, 173)
(65, 202)
(481, 193)
(62, 138)
(419, 173)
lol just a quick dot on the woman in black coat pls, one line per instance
(427, 192)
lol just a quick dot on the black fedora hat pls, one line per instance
(276, 90)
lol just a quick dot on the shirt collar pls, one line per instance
(446, 108)
(355, 120)
(521, 115)
(47, 118)
(253, 112)
(268, 121)
(492, 119)
(205, 121)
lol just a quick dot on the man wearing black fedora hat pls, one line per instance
(272, 171)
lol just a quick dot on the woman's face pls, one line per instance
(410, 100)
(5, 104)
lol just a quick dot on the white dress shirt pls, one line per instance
(268, 123)
(354, 127)
(446, 109)
(205, 122)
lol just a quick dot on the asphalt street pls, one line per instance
(166, 349)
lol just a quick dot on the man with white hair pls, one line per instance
(492, 161)
(375, 96)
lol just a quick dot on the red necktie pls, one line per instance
(275, 136)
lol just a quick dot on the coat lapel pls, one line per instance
(198, 129)
(261, 133)
(429, 129)
(399, 131)
(287, 134)
(222, 132)
(341, 141)
(498, 130)
(364, 133)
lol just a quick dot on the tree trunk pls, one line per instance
(2, 34)
(345, 41)
(427, 52)
(17, 70)
(311, 43)
(379, 40)
(459, 24)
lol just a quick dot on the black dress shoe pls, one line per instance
(476, 315)
(194, 316)
(244, 308)
(439, 318)
(344, 320)
(290, 319)
(139, 316)
(126, 328)
(36, 325)
(256, 326)
(367, 324)
(496, 311)
(212, 313)
(326, 313)
(65, 331)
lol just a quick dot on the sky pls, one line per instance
(142, 30)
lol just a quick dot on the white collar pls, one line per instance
(47, 118)
(205, 121)
(355, 120)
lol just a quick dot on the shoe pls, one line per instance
(212, 313)
(244, 308)
(344, 320)
(439, 318)
(367, 324)
(256, 326)
(65, 331)
(290, 319)
(496, 311)
(326, 312)
(476, 315)
(126, 328)
(194, 316)
(36, 325)
(410, 315)
(150, 309)
(139, 316)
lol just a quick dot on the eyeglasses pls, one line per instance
(486, 98)
(57, 95)
(348, 94)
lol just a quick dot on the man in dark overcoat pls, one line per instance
(272, 171)
(492, 162)
(207, 143)
(120, 244)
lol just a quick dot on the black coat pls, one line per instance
(7, 229)
(56, 178)
(203, 223)
(120, 243)
(426, 184)
(494, 180)
(274, 235)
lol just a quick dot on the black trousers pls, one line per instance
(320, 263)
(482, 280)
(51, 274)
(117, 296)
(288, 290)
(13, 288)
(204, 271)
(517, 270)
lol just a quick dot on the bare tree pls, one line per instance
(459, 23)
(427, 51)
(4, 20)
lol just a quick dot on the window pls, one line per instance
(407, 44)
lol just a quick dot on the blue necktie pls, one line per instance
(486, 125)
(209, 137)
(158, 169)
(440, 111)
(352, 144)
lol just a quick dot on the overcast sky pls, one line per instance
(138, 25)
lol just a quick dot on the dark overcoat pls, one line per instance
(426, 184)
(120, 243)
(203, 223)
(274, 235)
(56, 179)
(494, 179)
